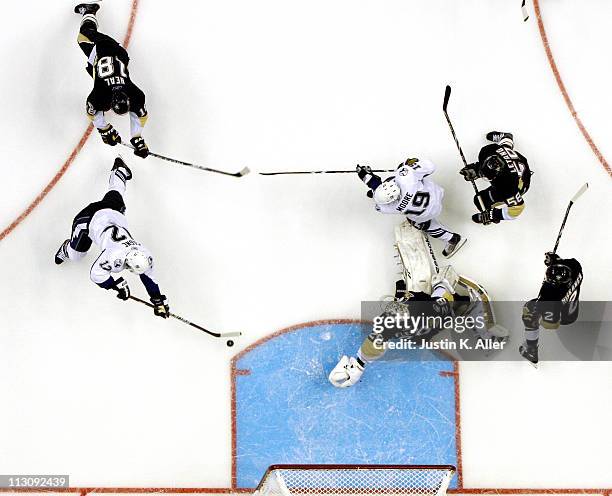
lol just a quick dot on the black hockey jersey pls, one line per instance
(108, 65)
(514, 178)
(559, 304)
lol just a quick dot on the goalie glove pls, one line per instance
(347, 373)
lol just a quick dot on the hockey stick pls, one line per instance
(524, 11)
(431, 252)
(243, 172)
(578, 194)
(185, 321)
(447, 94)
(318, 172)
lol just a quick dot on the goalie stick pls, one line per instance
(318, 172)
(241, 173)
(200, 328)
(447, 94)
(578, 194)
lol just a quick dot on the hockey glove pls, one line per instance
(485, 218)
(363, 171)
(160, 306)
(470, 172)
(550, 258)
(110, 136)
(140, 147)
(122, 288)
(497, 136)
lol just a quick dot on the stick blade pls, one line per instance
(580, 192)
(243, 172)
(230, 334)
(447, 93)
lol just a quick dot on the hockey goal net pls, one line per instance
(332, 480)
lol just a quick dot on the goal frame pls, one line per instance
(358, 490)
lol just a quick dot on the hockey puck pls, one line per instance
(230, 343)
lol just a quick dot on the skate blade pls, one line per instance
(459, 246)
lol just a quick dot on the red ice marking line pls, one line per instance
(60, 173)
(562, 88)
(235, 372)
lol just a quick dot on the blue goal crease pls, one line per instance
(402, 412)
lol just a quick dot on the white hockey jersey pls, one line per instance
(108, 229)
(420, 198)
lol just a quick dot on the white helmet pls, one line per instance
(138, 260)
(387, 192)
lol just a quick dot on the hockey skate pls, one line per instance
(529, 353)
(62, 254)
(453, 246)
(122, 170)
(497, 136)
(87, 8)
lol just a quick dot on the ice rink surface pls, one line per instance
(101, 390)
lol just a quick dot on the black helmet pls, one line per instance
(120, 101)
(491, 166)
(558, 273)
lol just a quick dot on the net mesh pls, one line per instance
(343, 480)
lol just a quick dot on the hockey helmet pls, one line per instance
(138, 260)
(558, 274)
(120, 102)
(387, 192)
(491, 166)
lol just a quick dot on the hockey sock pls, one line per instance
(531, 337)
(436, 230)
(116, 182)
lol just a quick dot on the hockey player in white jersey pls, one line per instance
(104, 223)
(412, 193)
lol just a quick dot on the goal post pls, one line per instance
(337, 480)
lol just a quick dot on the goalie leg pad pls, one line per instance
(415, 257)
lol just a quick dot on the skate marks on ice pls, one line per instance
(286, 411)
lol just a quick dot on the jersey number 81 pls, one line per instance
(106, 67)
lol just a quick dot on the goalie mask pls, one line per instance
(491, 166)
(138, 260)
(387, 192)
(120, 101)
(558, 274)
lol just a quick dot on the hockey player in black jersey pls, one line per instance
(509, 175)
(107, 64)
(557, 304)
